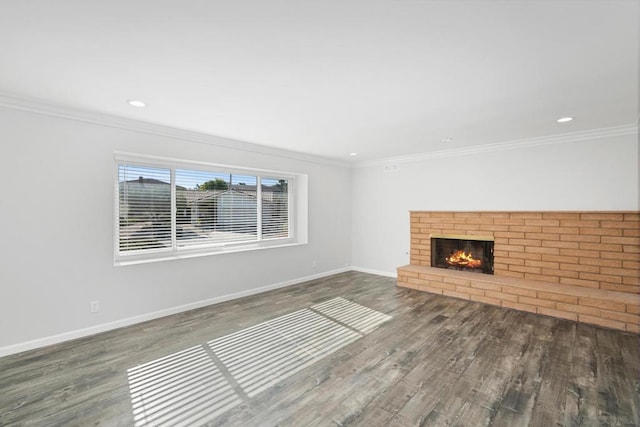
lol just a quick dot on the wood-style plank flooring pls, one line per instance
(437, 361)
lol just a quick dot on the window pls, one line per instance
(168, 208)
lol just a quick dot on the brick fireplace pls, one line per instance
(581, 266)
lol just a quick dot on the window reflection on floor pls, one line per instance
(198, 384)
(184, 388)
(264, 355)
(354, 315)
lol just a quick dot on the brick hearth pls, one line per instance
(582, 266)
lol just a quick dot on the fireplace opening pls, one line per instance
(466, 253)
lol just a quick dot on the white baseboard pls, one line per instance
(79, 333)
(377, 272)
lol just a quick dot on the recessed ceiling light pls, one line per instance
(353, 154)
(135, 103)
(564, 119)
(445, 140)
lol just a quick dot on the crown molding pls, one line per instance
(36, 106)
(509, 145)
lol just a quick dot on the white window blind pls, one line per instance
(275, 208)
(215, 207)
(168, 208)
(144, 208)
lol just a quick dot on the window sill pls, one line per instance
(196, 253)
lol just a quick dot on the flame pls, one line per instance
(463, 259)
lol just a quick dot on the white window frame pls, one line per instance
(297, 207)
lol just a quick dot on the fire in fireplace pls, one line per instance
(463, 259)
(467, 253)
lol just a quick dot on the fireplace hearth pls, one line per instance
(580, 266)
(466, 253)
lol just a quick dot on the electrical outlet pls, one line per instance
(95, 306)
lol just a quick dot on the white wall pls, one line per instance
(599, 174)
(56, 222)
(56, 218)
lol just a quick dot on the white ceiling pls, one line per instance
(380, 78)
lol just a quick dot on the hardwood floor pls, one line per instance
(436, 361)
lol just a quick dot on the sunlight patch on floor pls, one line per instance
(182, 389)
(196, 385)
(354, 315)
(266, 354)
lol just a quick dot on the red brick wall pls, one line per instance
(599, 250)
(611, 309)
